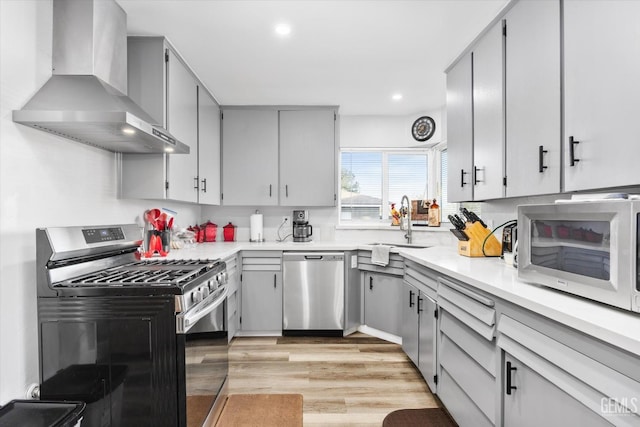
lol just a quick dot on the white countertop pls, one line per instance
(492, 275)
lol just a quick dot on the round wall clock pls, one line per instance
(423, 128)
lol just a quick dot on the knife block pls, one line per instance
(473, 247)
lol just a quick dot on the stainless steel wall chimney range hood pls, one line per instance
(85, 98)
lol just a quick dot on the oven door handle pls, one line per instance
(186, 320)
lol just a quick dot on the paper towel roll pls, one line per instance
(256, 228)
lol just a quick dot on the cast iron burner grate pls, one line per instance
(151, 272)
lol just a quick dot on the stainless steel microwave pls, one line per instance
(586, 248)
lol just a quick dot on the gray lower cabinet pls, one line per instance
(382, 295)
(420, 320)
(233, 296)
(261, 292)
(410, 321)
(427, 340)
(522, 406)
(576, 379)
(467, 364)
(262, 301)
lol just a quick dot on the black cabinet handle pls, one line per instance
(411, 303)
(204, 185)
(541, 152)
(269, 190)
(195, 182)
(475, 175)
(462, 174)
(572, 151)
(419, 305)
(286, 190)
(370, 283)
(275, 279)
(509, 385)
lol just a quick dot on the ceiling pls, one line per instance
(351, 53)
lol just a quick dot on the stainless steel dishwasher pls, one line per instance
(313, 293)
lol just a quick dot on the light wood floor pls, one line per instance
(351, 381)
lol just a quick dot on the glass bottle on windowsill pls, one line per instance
(434, 214)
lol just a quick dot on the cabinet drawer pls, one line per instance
(587, 380)
(476, 382)
(418, 275)
(481, 350)
(256, 261)
(474, 310)
(458, 403)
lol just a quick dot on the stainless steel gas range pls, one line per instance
(141, 342)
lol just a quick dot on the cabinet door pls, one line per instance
(208, 149)
(532, 55)
(602, 93)
(410, 321)
(460, 130)
(522, 407)
(427, 340)
(382, 303)
(182, 122)
(250, 157)
(261, 301)
(307, 158)
(488, 113)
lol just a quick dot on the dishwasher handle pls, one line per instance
(313, 256)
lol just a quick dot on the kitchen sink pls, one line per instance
(400, 245)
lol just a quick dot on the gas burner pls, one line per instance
(146, 273)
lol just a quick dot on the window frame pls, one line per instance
(433, 168)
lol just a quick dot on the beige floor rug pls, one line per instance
(263, 410)
(428, 417)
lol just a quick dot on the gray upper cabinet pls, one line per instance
(460, 130)
(488, 113)
(162, 84)
(208, 149)
(532, 55)
(307, 158)
(273, 156)
(602, 93)
(182, 122)
(250, 157)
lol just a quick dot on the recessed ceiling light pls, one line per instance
(396, 96)
(283, 29)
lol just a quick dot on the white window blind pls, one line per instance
(361, 186)
(372, 180)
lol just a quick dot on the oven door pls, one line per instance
(202, 363)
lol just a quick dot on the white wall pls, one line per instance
(386, 131)
(44, 181)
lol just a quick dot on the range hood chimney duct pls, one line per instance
(86, 97)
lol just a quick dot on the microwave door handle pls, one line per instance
(186, 320)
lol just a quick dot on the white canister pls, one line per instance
(256, 228)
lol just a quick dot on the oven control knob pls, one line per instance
(205, 291)
(196, 296)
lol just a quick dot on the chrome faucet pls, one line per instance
(408, 228)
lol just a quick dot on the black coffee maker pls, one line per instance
(302, 230)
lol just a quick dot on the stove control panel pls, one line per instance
(98, 235)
